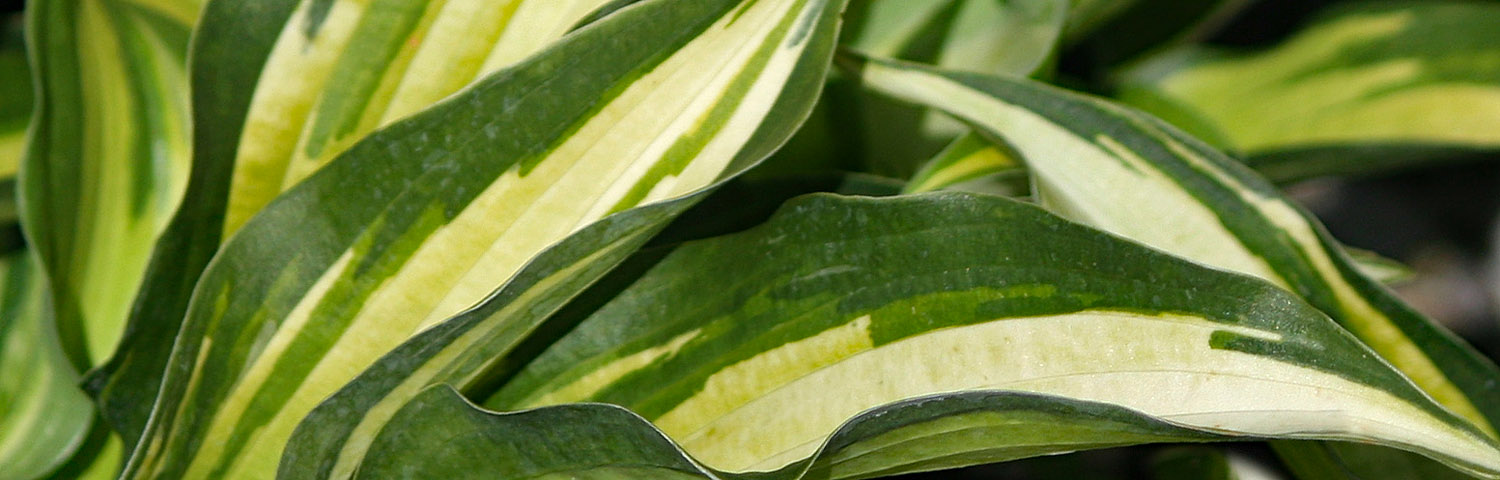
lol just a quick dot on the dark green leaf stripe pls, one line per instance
(477, 344)
(331, 441)
(843, 304)
(107, 157)
(426, 217)
(364, 64)
(1189, 199)
(43, 415)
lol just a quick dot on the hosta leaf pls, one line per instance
(972, 35)
(986, 36)
(497, 337)
(1405, 74)
(606, 441)
(341, 68)
(425, 217)
(43, 414)
(275, 80)
(1125, 172)
(838, 305)
(968, 158)
(108, 154)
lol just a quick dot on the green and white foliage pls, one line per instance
(1193, 201)
(1402, 81)
(839, 347)
(424, 218)
(334, 239)
(108, 154)
(43, 415)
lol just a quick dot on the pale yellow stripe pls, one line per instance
(536, 24)
(502, 237)
(258, 372)
(376, 417)
(1160, 365)
(451, 54)
(289, 86)
(301, 165)
(586, 386)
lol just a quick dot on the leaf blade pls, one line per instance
(456, 207)
(1239, 221)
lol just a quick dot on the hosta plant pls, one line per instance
(770, 239)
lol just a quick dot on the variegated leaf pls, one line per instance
(968, 158)
(108, 155)
(1402, 82)
(43, 415)
(424, 218)
(986, 36)
(341, 68)
(282, 87)
(1126, 172)
(841, 305)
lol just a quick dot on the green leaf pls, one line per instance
(1130, 174)
(266, 74)
(108, 155)
(840, 305)
(982, 36)
(494, 339)
(43, 415)
(424, 218)
(341, 69)
(985, 36)
(606, 441)
(1349, 461)
(968, 158)
(1404, 75)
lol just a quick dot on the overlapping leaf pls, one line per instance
(898, 314)
(282, 87)
(1011, 38)
(1403, 82)
(1191, 200)
(342, 68)
(1128, 173)
(424, 218)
